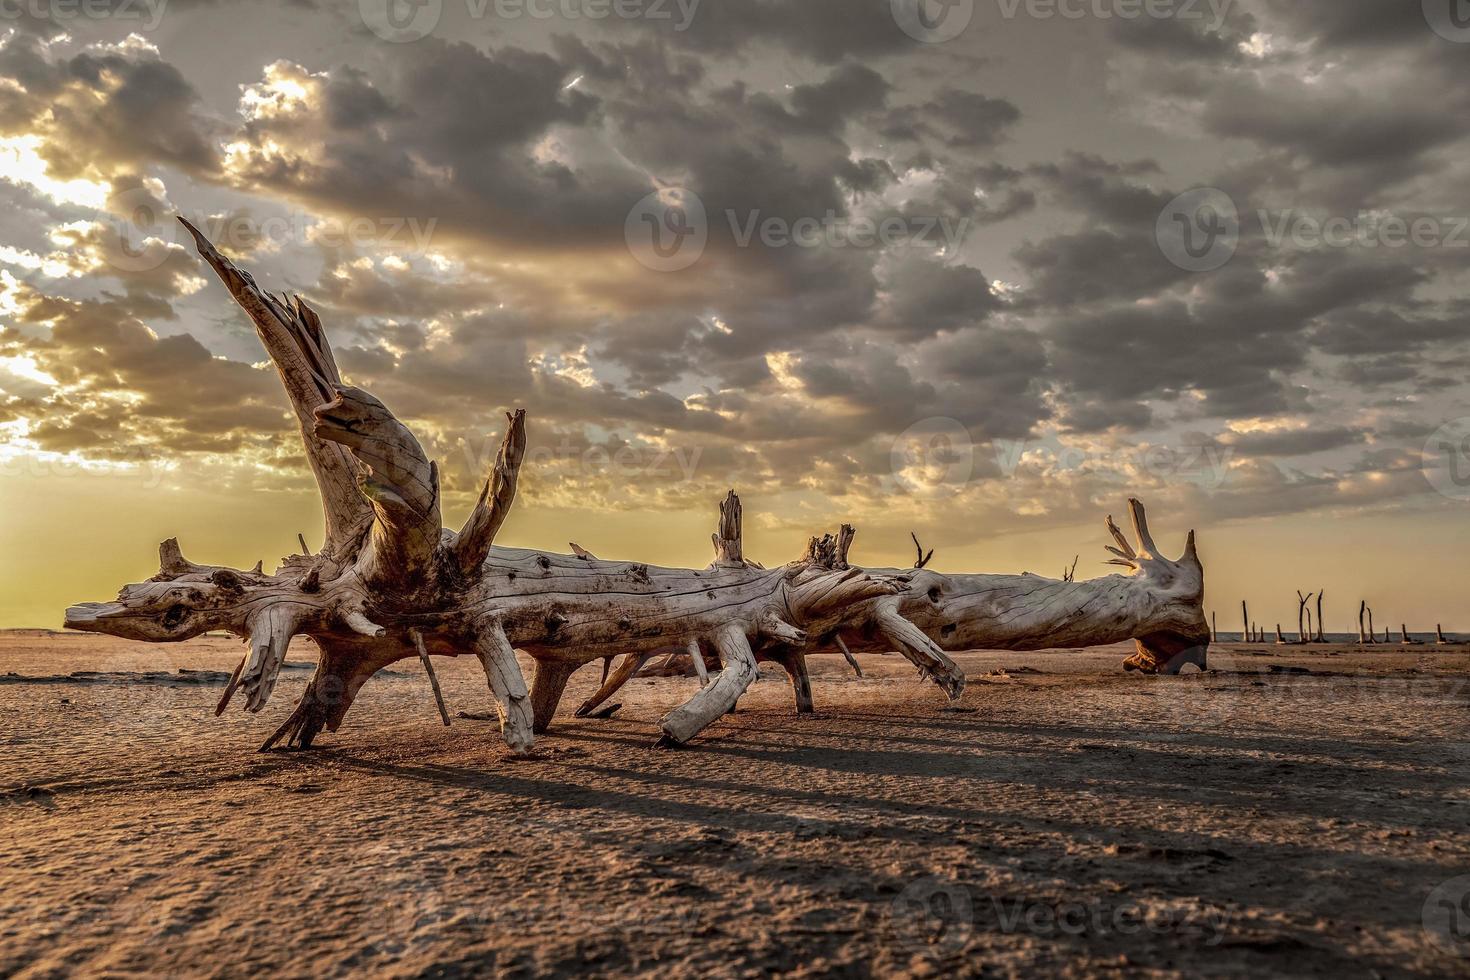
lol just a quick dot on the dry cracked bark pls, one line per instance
(391, 583)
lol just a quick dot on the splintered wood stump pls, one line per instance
(390, 583)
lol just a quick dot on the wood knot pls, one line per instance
(173, 616)
(226, 579)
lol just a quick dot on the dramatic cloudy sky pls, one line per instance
(468, 191)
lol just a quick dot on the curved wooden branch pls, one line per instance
(398, 480)
(690, 718)
(292, 335)
(473, 544)
(517, 718)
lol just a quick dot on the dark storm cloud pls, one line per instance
(1298, 442)
(925, 296)
(960, 119)
(1181, 39)
(826, 31)
(1116, 256)
(1381, 331)
(104, 107)
(1335, 24)
(1332, 127)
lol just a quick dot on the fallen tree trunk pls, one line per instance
(391, 582)
(1159, 606)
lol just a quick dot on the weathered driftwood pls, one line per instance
(1159, 606)
(390, 576)
(390, 581)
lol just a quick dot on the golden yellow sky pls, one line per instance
(85, 535)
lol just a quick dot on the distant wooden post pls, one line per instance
(1214, 633)
(1363, 637)
(1310, 635)
(1439, 636)
(1321, 636)
(1245, 623)
(1279, 638)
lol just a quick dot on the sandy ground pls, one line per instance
(1075, 821)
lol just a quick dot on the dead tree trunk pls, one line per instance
(1321, 636)
(1363, 635)
(1439, 635)
(1301, 612)
(389, 574)
(1245, 623)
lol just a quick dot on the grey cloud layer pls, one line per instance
(794, 368)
